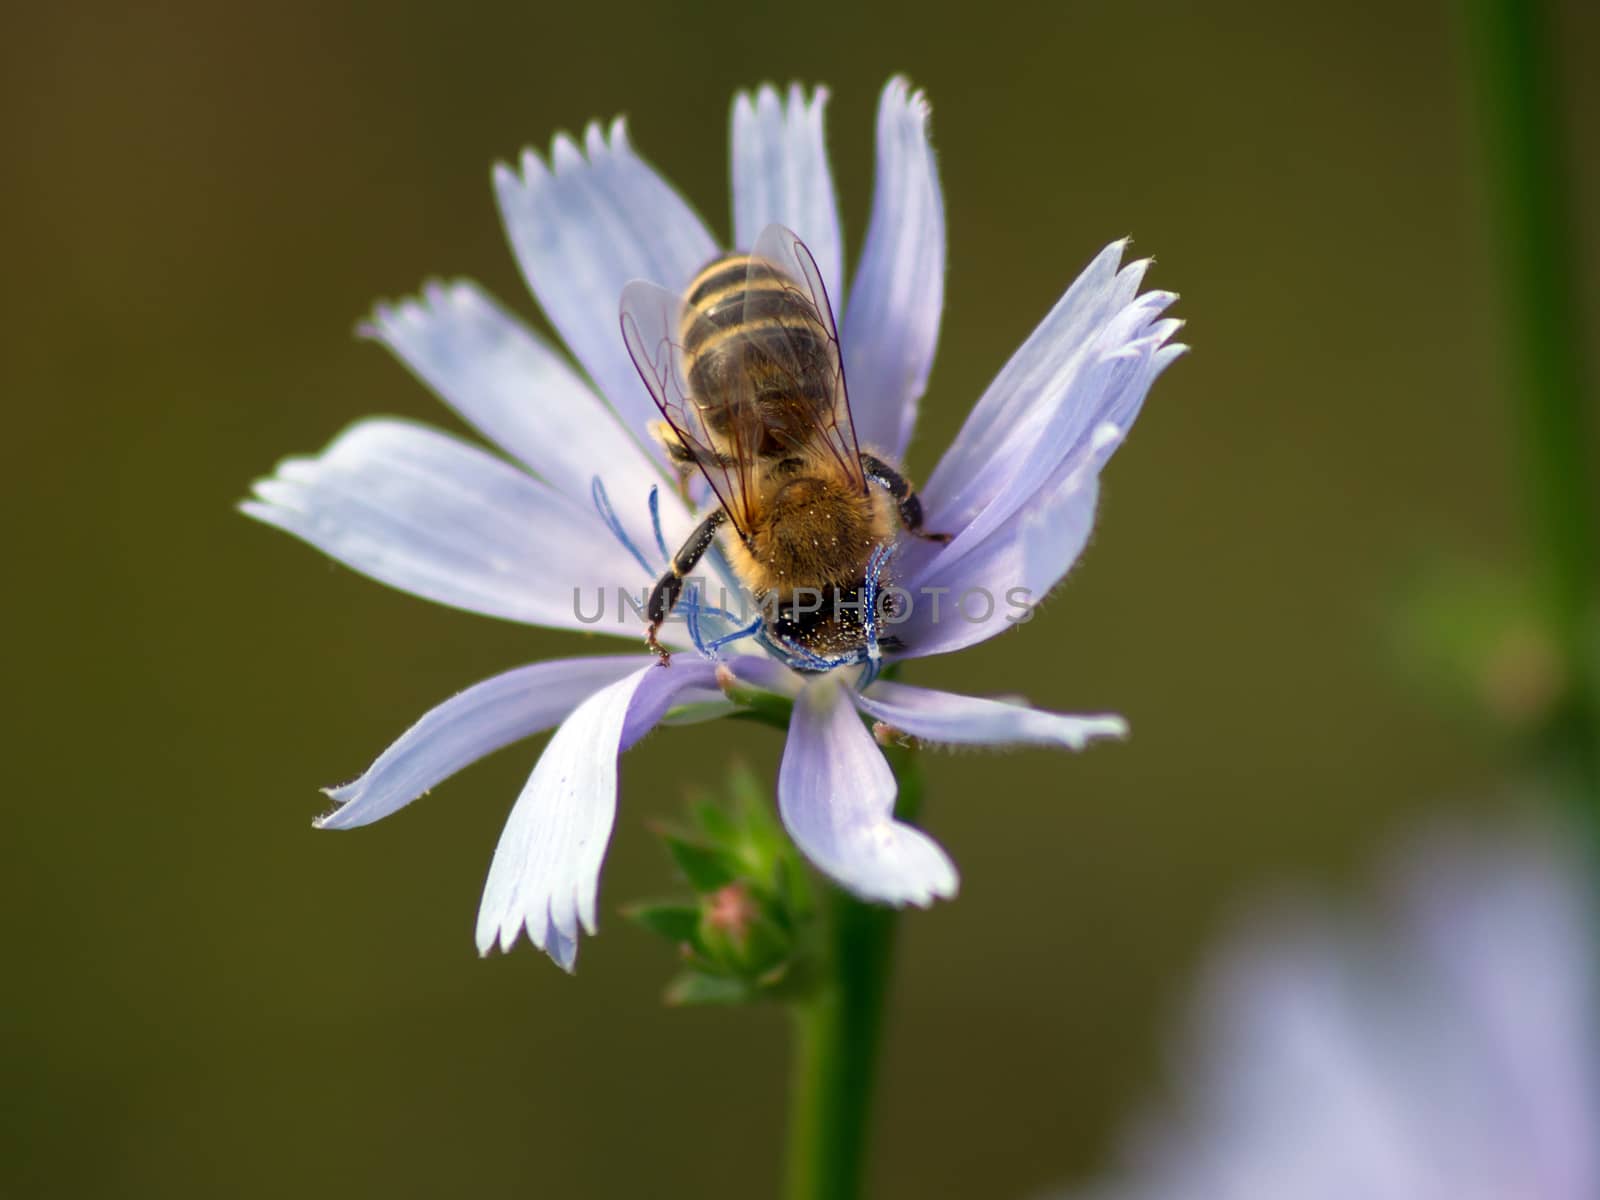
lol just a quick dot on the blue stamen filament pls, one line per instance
(655, 522)
(602, 505)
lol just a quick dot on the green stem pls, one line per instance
(837, 1031)
(1527, 188)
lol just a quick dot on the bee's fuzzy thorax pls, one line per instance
(817, 533)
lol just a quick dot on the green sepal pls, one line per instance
(714, 821)
(705, 866)
(674, 921)
(749, 933)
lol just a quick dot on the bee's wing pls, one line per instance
(652, 321)
(825, 427)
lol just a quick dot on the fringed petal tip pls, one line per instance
(255, 508)
(1100, 728)
(1155, 299)
(582, 223)
(392, 321)
(544, 880)
(767, 99)
(556, 938)
(913, 871)
(898, 93)
(340, 796)
(781, 175)
(566, 153)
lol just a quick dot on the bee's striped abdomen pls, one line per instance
(728, 275)
(752, 336)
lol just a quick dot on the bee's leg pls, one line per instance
(667, 438)
(899, 488)
(670, 586)
(682, 457)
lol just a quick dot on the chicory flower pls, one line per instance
(1447, 1052)
(582, 505)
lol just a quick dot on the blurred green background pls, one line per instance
(205, 997)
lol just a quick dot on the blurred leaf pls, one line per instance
(1469, 636)
(695, 987)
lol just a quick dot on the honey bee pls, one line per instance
(746, 370)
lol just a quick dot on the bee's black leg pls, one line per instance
(670, 586)
(900, 489)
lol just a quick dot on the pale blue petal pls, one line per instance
(1305, 1049)
(563, 950)
(428, 513)
(891, 322)
(765, 673)
(1108, 389)
(687, 680)
(545, 877)
(1100, 383)
(998, 585)
(517, 390)
(1508, 925)
(1444, 1051)
(468, 726)
(1038, 520)
(953, 719)
(781, 176)
(582, 228)
(836, 796)
(1004, 417)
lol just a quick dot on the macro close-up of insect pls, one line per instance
(639, 604)
(747, 372)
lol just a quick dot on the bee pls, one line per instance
(746, 369)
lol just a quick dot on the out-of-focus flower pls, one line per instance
(1449, 1055)
(585, 505)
